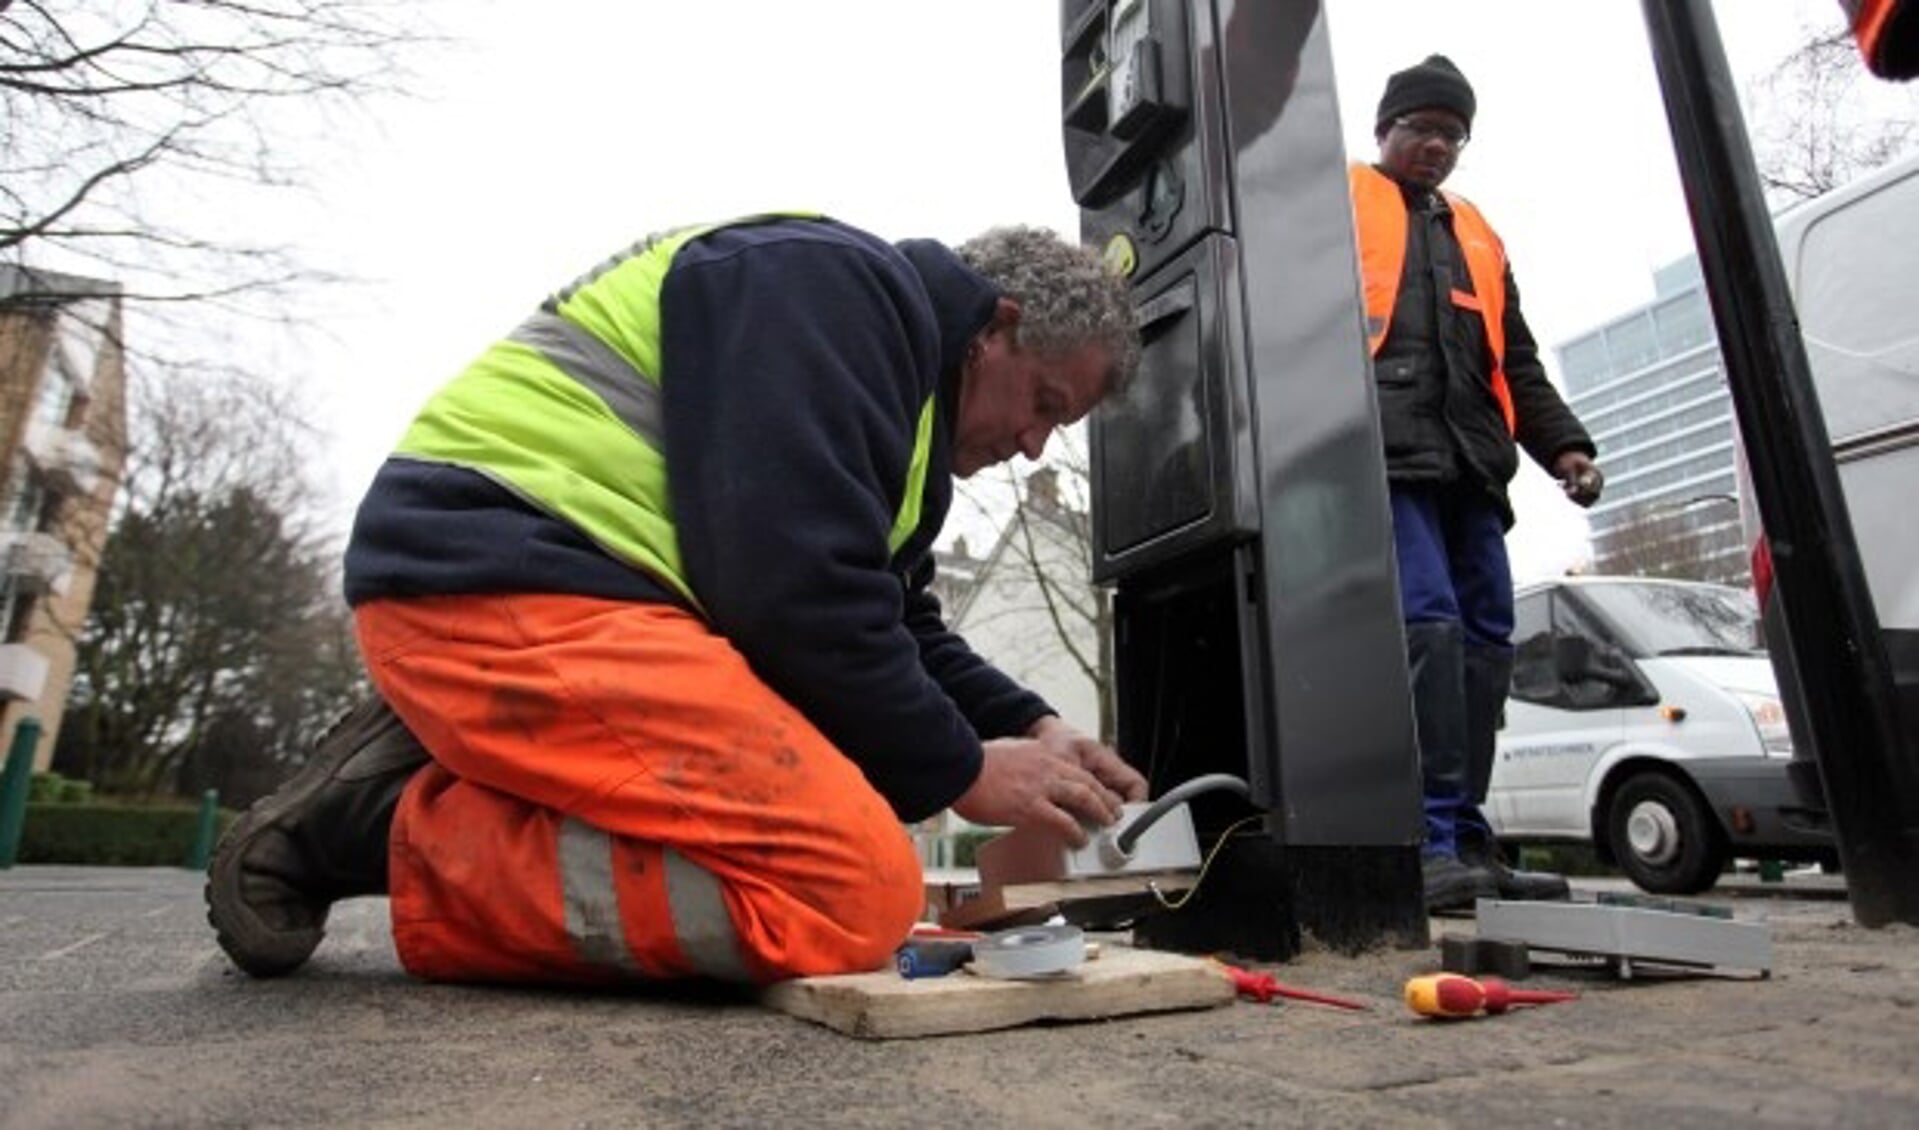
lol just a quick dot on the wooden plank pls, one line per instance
(967, 906)
(1120, 982)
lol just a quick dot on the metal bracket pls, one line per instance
(1627, 935)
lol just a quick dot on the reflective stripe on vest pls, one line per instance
(566, 413)
(701, 924)
(587, 359)
(1380, 212)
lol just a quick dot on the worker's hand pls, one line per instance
(1096, 757)
(1023, 783)
(1579, 477)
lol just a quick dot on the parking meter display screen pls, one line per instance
(1155, 460)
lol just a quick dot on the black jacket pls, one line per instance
(797, 356)
(1438, 417)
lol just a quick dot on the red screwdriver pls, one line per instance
(1263, 987)
(1450, 996)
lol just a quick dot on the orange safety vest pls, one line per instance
(1380, 212)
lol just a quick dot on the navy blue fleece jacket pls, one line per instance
(796, 356)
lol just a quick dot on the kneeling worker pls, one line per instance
(646, 589)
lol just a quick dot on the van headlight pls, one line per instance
(1769, 716)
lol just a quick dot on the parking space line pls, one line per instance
(63, 951)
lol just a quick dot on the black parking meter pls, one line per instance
(1239, 494)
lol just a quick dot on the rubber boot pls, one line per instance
(1435, 663)
(320, 838)
(1488, 676)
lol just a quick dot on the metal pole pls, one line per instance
(204, 830)
(13, 788)
(1871, 775)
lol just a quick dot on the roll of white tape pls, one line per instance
(1025, 952)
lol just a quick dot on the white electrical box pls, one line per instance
(1031, 855)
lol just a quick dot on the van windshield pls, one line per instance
(1666, 619)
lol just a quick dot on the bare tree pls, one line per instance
(118, 117)
(1691, 540)
(1819, 118)
(217, 639)
(1041, 567)
(142, 145)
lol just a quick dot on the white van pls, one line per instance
(1848, 258)
(1644, 718)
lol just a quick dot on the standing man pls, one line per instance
(1458, 382)
(646, 589)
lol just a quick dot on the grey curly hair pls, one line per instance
(1067, 296)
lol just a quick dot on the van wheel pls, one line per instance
(1663, 837)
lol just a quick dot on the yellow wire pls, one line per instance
(1204, 866)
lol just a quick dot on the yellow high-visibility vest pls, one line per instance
(566, 412)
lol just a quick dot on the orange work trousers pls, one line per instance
(615, 795)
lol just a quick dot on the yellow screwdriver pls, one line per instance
(1449, 996)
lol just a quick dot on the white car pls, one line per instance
(1644, 718)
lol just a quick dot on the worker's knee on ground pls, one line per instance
(894, 896)
(855, 924)
(898, 897)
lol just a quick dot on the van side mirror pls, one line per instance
(1579, 660)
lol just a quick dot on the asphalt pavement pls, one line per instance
(118, 1010)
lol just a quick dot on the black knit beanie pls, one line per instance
(1434, 84)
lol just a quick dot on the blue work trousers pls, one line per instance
(1456, 598)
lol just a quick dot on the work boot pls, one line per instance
(319, 838)
(1512, 883)
(1451, 885)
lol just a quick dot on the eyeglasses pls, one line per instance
(1426, 130)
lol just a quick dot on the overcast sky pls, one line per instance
(551, 135)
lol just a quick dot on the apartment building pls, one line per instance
(1651, 388)
(62, 447)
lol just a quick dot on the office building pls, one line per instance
(1650, 387)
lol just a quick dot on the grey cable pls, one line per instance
(1175, 796)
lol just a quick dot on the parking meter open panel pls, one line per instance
(1172, 455)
